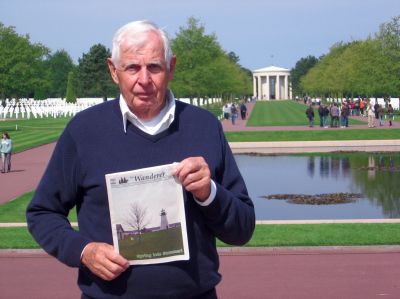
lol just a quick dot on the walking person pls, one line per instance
(344, 115)
(321, 115)
(234, 113)
(376, 110)
(334, 116)
(381, 112)
(371, 115)
(390, 114)
(243, 110)
(227, 111)
(325, 116)
(6, 149)
(362, 106)
(310, 115)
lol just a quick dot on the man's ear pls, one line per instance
(172, 65)
(113, 71)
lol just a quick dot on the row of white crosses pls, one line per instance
(57, 107)
(52, 107)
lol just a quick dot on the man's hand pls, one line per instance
(195, 176)
(103, 261)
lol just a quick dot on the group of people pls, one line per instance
(376, 114)
(6, 146)
(230, 111)
(340, 115)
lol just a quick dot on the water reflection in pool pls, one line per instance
(376, 176)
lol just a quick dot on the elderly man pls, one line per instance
(144, 127)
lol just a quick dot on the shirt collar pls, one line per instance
(156, 125)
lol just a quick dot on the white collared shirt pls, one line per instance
(154, 126)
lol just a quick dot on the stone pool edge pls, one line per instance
(290, 147)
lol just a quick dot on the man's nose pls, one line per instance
(144, 76)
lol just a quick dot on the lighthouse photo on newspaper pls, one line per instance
(147, 215)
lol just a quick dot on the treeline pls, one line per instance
(30, 70)
(364, 68)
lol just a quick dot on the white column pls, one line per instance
(255, 86)
(286, 93)
(277, 89)
(278, 86)
(267, 91)
(262, 89)
(259, 87)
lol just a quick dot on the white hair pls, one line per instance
(134, 33)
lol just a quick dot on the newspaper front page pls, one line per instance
(148, 215)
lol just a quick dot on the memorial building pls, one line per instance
(271, 83)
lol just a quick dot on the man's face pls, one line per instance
(142, 76)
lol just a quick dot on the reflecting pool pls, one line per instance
(375, 176)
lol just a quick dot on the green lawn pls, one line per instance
(14, 211)
(152, 242)
(326, 234)
(30, 133)
(282, 113)
(327, 134)
(271, 235)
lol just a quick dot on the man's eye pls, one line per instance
(132, 69)
(154, 68)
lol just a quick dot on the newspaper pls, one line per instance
(148, 215)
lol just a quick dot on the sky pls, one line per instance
(261, 32)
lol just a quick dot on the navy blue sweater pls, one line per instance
(94, 144)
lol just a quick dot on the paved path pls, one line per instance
(278, 273)
(27, 169)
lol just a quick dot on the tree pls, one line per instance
(70, 94)
(21, 65)
(326, 77)
(301, 69)
(388, 38)
(195, 51)
(137, 217)
(233, 57)
(368, 67)
(59, 66)
(203, 68)
(93, 77)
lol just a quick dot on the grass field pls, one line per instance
(14, 211)
(282, 113)
(158, 244)
(326, 234)
(270, 235)
(30, 133)
(344, 134)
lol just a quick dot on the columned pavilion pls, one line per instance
(271, 83)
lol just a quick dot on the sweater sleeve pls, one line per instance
(231, 215)
(56, 194)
